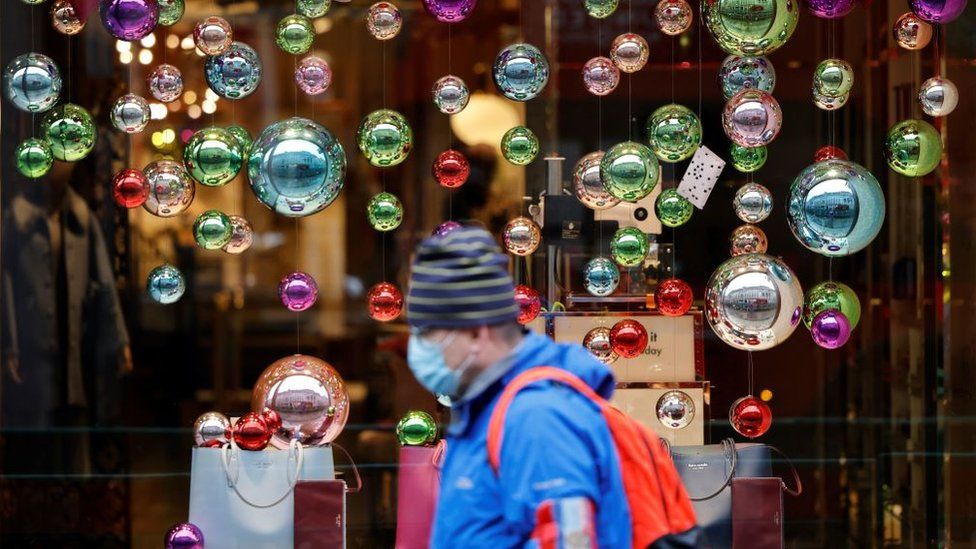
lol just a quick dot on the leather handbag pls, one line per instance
(757, 513)
(320, 510)
(418, 486)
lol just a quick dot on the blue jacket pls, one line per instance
(556, 445)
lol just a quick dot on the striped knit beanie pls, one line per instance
(460, 280)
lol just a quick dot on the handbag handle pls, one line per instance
(355, 470)
(230, 452)
(796, 476)
(730, 455)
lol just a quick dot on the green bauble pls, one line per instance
(243, 137)
(913, 148)
(629, 247)
(213, 156)
(520, 146)
(34, 157)
(600, 9)
(416, 428)
(213, 230)
(833, 78)
(295, 34)
(751, 27)
(170, 12)
(385, 138)
(70, 131)
(673, 210)
(384, 212)
(630, 171)
(675, 133)
(313, 8)
(831, 296)
(748, 160)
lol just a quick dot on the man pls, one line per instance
(558, 483)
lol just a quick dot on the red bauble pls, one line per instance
(272, 419)
(829, 151)
(628, 338)
(451, 169)
(385, 302)
(251, 432)
(750, 417)
(130, 188)
(673, 297)
(529, 303)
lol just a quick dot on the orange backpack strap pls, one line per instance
(523, 380)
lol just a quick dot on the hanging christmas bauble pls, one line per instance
(529, 303)
(313, 8)
(752, 118)
(235, 73)
(588, 185)
(34, 157)
(672, 209)
(130, 113)
(600, 9)
(831, 296)
(251, 432)
(65, 18)
(752, 203)
(630, 171)
(272, 418)
(296, 167)
(70, 131)
(628, 338)
(913, 148)
(673, 17)
(829, 103)
(753, 302)
(451, 169)
(170, 188)
(384, 212)
(243, 137)
(241, 237)
(129, 19)
(313, 75)
(938, 11)
(32, 82)
(32, 2)
(213, 156)
(520, 72)
(830, 9)
(416, 428)
(600, 76)
(833, 78)
(629, 247)
(747, 239)
(674, 132)
(750, 417)
(600, 276)
(521, 236)
(675, 409)
(449, 11)
(385, 138)
(748, 160)
(170, 11)
(938, 96)
(212, 230)
(520, 146)
(830, 329)
(213, 35)
(750, 27)
(165, 284)
(384, 302)
(295, 34)
(165, 83)
(383, 20)
(184, 536)
(673, 297)
(597, 342)
(298, 291)
(130, 188)
(211, 430)
(828, 152)
(743, 72)
(445, 228)
(309, 396)
(911, 32)
(629, 52)
(450, 94)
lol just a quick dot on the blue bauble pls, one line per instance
(520, 72)
(166, 284)
(601, 276)
(235, 73)
(32, 82)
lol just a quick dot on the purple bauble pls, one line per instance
(184, 535)
(830, 329)
(449, 11)
(129, 19)
(830, 9)
(445, 228)
(938, 11)
(298, 291)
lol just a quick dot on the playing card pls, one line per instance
(700, 177)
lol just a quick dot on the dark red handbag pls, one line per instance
(757, 513)
(320, 510)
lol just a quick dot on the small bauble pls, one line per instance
(130, 188)
(165, 83)
(130, 113)
(597, 342)
(828, 152)
(165, 284)
(129, 19)
(70, 131)
(600, 76)
(272, 418)
(674, 132)
(750, 417)
(65, 18)
(601, 276)
(913, 148)
(521, 236)
(298, 291)
(171, 190)
(741, 72)
(213, 35)
(748, 239)
(748, 160)
(833, 78)
(673, 297)
(588, 184)
(32, 82)
(384, 212)
(416, 428)
(830, 9)
(672, 209)
(629, 52)
(938, 11)
(295, 34)
(628, 338)
(830, 329)
(520, 146)
(211, 430)
(529, 303)
(251, 432)
(520, 72)
(911, 32)
(384, 302)
(235, 73)
(213, 156)
(831, 296)
(752, 203)
(752, 118)
(629, 247)
(34, 157)
(938, 96)
(450, 94)
(600, 9)
(242, 236)
(385, 138)
(630, 171)
(449, 11)
(451, 169)
(675, 409)
(383, 20)
(313, 75)
(673, 17)
(171, 11)
(184, 536)
(313, 8)
(445, 228)
(212, 230)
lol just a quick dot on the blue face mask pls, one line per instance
(426, 361)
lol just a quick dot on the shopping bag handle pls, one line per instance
(355, 471)
(230, 452)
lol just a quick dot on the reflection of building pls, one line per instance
(752, 306)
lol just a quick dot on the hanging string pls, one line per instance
(298, 314)
(751, 367)
(69, 68)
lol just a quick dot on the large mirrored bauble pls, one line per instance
(295, 34)
(600, 76)
(628, 338)
(310, 397)
(313, 75)
(751, 27)
(242, 236)
(672, 209)
(65, 18)
(416, 428)
(451, 169)
(313, 8)
(601, 276)
(521, 236)
(212, 230)
(211, 430)
(750, 417)
(832, 296)
(184, 536)
(130, 188)
(520, 146)
(450, 94)
(833, 78)
(830, 329)
(938, 11)
(165, 83)
(588, 184)
(529, 303)
(449, 11)
(129, 19)
(673, 297)
(600, 9)
(165, 284)
(384, 301)
(170, 188)
(741, 72)
(130, 113)
(171, 11)
(752, 118)
(913, 148)
(597, 342)
(298, 291)
(830, 9)
(836, 207)
(296, 167)
(938, 96)
(747, 239)
(32, 82)
(912, 33)
(213, 156)
(629, 52)
(674, 132)
(629, 247)
(384, 212)
(673, 17)
(33, 157)
(748, 160)
(629, 171)
(70, 131)
(235, 73)
(385, 138)
(752, 203)
(383, 21)
(520, 72)
(675, 409)
(753, 302)
(213, 35)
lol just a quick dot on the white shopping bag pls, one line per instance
(244, 500)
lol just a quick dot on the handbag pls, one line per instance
(757, 513)
(320, 510)
(418, 486)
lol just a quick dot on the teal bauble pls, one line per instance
(213, 156)
(520, 146)
(165, 284)
(520, 72)
(674, 132)
(672, 209)
(70, 131)
(32, 82)
(385, 138)
(600, 277)
(33, 157)
(748, 159)
(629, 247)
(213, 230)
(630, 171)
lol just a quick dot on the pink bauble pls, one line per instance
(752, 118)
(298, 291)
(184, 535)
(449, 11)
(445, 228)
(600, 76)
(313, 75)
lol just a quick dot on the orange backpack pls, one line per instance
(659, 505)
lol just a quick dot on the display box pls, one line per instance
(639, 401)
